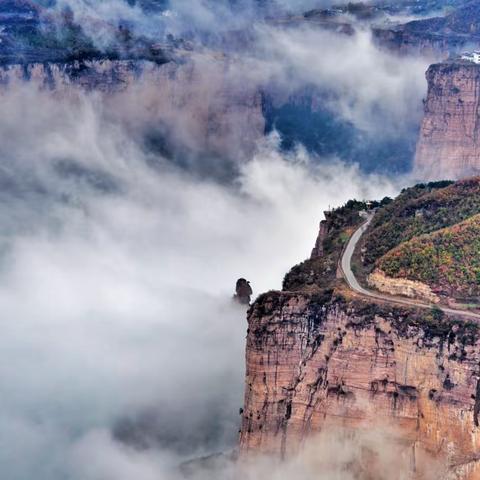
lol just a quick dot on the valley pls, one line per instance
(163, 165)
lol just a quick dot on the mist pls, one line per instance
(125, 352)
(118, 262)
(373, 96)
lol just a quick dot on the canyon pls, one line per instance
(321, 359)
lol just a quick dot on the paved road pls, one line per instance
(346, 265)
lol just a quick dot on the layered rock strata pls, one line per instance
(449, 141)
(316, 363)
(401, 287)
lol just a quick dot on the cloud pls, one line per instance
(117, 266)
(125, 353)
(376, 91)
(363, 84)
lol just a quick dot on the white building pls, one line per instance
(471, 56)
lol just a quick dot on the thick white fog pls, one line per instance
(123, 353)
(376, 90)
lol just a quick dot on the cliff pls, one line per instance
(449, 143)
(452, 29)
(193, 105)
(323, 359)
(315, 364)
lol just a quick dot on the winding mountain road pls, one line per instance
(353, 283)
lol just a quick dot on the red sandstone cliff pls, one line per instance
(449, 141)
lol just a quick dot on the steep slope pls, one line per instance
(427, 236)
(422, 209)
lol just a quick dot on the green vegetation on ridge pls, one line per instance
(448, 260)
(320, 271)
(419, 210)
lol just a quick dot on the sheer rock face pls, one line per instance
(449, 142)
(314, 364)
(196, 101)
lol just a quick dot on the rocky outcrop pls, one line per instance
(401, 287)
(404, 42)
(318, 362)
(449, 142)
(323, 230)
(243, 292)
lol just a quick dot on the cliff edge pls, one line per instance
(321, 358)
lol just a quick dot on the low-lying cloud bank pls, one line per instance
(123, 353)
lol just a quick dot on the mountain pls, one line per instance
(191, 115)
(447, 260)
(326, 357)
(32, 33)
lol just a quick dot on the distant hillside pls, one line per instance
(30, 32)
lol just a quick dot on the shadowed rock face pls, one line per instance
(315, 363)
(189, 108)
(449, 142)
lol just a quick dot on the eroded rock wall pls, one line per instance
(315, 363)
(323, 229)
(449, 141)
(401, 287)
